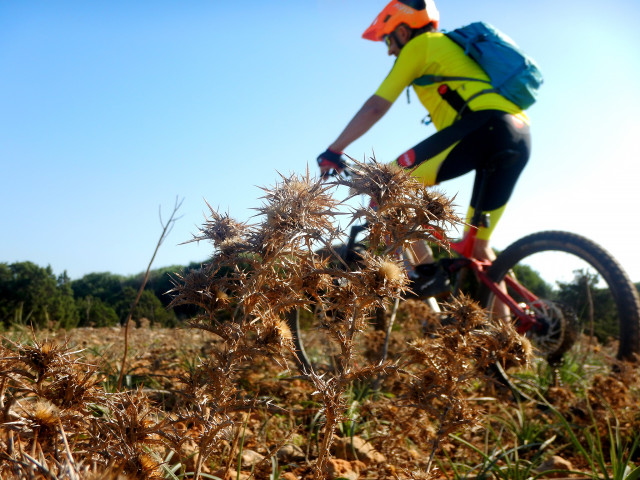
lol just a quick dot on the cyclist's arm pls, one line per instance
(372, 111)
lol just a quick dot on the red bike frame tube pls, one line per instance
(465, 247)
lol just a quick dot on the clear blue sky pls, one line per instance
(111, 109)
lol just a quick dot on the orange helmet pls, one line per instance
(415, 13)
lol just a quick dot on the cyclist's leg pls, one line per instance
(425, 161)
(498, 151)
(505, 142)
(471, 144)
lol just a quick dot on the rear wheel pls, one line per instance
(302, 360)
(579, 285)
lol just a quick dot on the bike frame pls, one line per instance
(464, 248)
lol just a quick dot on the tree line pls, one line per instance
(36, 296)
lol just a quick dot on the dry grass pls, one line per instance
(52, 397)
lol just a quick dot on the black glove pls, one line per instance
(330, 163)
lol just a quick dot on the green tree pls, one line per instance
(93, 312)
(585, 297)
(105, 286)
(149, 307)
(528, 277)
(34, 295)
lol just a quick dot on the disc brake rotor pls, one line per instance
(551, 335)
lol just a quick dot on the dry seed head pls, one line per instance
(404, 206)
(298, 186)
(199, 287)
(515, 344)
(276, 333)
(284, 332)
(467, 314)
(379, 181)
(43, 414)
(47, 347)
(383, 275)
(297, 204)
(527, 349)
(516, 350)
(419, 350)
(43, 357)
(144, 466)
(75, 388)
(391, 272)
(222, 230)
(311, 282)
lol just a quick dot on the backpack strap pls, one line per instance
(452, 97)
(426, 80)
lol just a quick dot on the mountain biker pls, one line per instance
(472, 131)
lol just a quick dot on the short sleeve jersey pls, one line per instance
(433, 53)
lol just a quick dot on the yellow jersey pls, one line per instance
(433, 53)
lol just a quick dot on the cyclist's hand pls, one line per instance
(330, 163)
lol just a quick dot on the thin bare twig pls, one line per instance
(73, 472)
(166, 229)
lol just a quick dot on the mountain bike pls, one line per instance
(554, 284)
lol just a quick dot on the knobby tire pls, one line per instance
(623, 291)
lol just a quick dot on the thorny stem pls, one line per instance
(166, 229)
(437, 439)
(392, 320)
(347, 346)
(331, 407)
(329, 429)
(385, 348)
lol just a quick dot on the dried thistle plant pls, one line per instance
(256, 274)
(296, 212)
(223, 231)
(263, 271)
(260, 271)
(402, 208)
(52, 401)
(456, 353)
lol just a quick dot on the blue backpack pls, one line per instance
(512, 73)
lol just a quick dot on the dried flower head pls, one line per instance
(507, 346)
(403, 209)
(297, 208)
(383, 275)
(44, 358)
(144, 467)
(274, 334)
(226, 234)
(76, 387)
(200, 287)
(465, 314)
(391, 272)
(42, 415)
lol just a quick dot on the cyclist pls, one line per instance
(473, 130)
